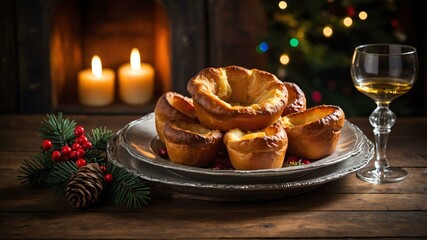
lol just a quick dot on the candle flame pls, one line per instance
(135, 59)
(96, 66)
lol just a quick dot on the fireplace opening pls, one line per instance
(109, 29)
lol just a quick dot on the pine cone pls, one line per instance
(85, 187)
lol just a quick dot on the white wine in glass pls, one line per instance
(383, 72)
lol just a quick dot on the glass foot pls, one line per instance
(389, 175)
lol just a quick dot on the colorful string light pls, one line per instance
(293, 42)
(262, 47)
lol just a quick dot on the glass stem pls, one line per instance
(382, 119)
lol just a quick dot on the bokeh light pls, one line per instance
(294, 42)
(283, 5)
(316, 96)
(327, 31)
(262, 47)
(284, 59)
(363, 15)
(347, 21)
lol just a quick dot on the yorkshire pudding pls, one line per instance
(190, 143)
(236, 97)
(314, 133)
(172, 106)
(296, 99)
(262, 149)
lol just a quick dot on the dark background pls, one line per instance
(203, 33)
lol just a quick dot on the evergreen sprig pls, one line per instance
(58, 130)
(60, 175)
(41, 171)
(127, 189)
(35, 170)
(99, 139)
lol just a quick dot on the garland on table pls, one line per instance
(74, 164)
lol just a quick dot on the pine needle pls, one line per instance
(35, 170)
(99, 139)
(127, 189)
(58, 130)
(60, 175)
(41, 171)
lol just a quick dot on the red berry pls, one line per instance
(66, 150)
(56, 156)
(108, 177)
(81, 139)
(292, 159)
(80, 162)
(76, 146)
(87, 145)
(80, 153)
(103, 168)
(305, 161)
(73, 155)
(222, 164)
(163, 152)
(47, 145)
(216, 164)
(79, 131)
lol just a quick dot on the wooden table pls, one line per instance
(344, 208)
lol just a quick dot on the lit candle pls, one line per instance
(136, 80)
(96, 85)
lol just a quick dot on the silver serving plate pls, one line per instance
(140, 139)
(200, 189)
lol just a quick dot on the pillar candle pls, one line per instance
(136, 80)
(96, 85)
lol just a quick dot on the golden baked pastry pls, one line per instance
(296, 99)
(172, 106)
(191, 143)
(262, 149)
(236, 97)
(314, 133)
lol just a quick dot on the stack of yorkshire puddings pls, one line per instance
(252, 116)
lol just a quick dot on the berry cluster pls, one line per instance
(295, 161)
(222, 163)
(76, 152)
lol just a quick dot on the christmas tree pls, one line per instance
(311, 43)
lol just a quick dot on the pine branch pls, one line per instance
(41, 171)
(36, 170)
(127, 189)
(99, 139)
(58, 130)
(60, 175)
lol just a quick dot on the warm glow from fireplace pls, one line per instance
(135, 59)
(98, 37)
(96, 66)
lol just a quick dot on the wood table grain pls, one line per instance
(344, 208)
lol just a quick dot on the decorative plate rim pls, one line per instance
(365, 156)
(182, 169)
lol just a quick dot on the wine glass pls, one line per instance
(383, 72)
